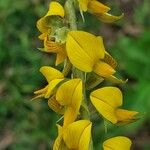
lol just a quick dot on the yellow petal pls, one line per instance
(117, 143)
(69, 94)
(110, 95)
(84, 49)
(83, 4)
(125, 116)
(85, 138)
(55, 47)
(40, 93)
(106, 100)
(103, 69)
(51, 87)
(50, 73)
(55, 9)
(74, 133)
(108, 18)
(57, 143)
(97, 7)
(104, 109)
(42, 36)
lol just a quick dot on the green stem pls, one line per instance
(71, 18)
(70, 14)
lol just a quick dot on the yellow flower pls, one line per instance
(55, 47)
(44, 24)
(117, 143)
(99, 10)
(86, 52)
(76, 136)
(53, 77)
(69, 95)
(107, 100)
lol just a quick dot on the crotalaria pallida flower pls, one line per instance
(53, 77)
(107, 100)
(69, 95)
(117, 143)
(44, 24)
(48, 26)
(86, 52)
(76, 136)
(99, 10)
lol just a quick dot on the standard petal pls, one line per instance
(95, 6)
(55, 9)
(84, 49)
(117, 143)
(73, 133)
(50, 73)
(109, 95)
(108, 18)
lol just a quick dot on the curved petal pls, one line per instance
(55, 9)
(84, 49)
(103, 69)
(117, 143)
(75, 132)
(95, 6)
(126, 116)
(50, 73)
(108, 18)
(51, 87)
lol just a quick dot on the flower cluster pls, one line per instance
(86, 65)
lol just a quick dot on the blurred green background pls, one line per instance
(31, 125)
